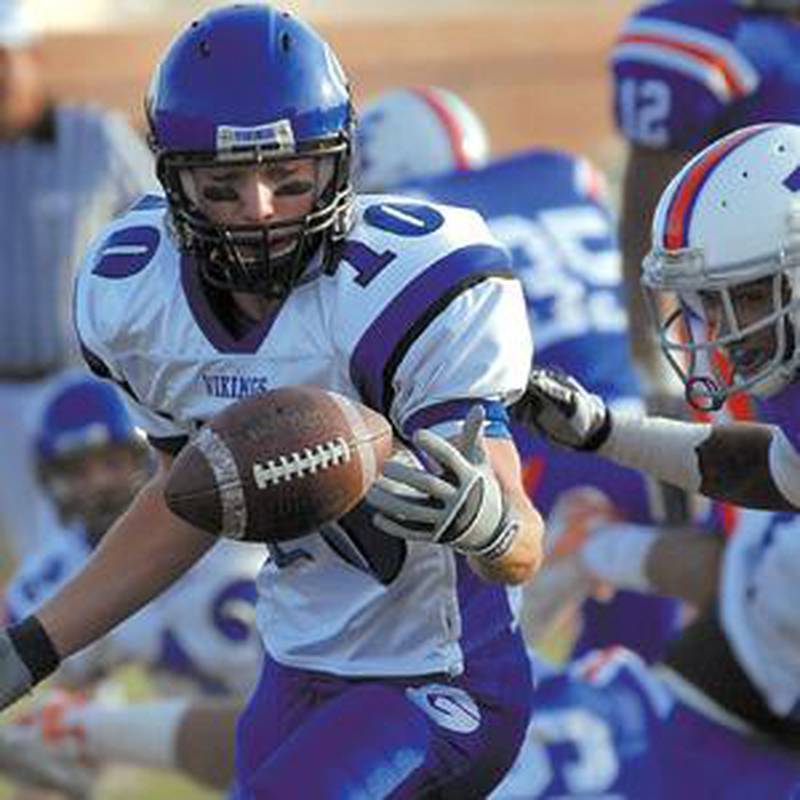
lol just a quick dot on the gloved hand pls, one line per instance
(561, 410)
(462, 507)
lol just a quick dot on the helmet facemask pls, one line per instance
(726, 332)
(96, 504)
(243, 258)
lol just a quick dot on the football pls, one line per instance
(276, 466)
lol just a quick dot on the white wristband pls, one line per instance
(663, 448)
(618, 554)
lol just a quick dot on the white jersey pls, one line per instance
(421, 318)
(202, 629)
(761, 604)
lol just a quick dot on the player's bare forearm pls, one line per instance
(686, 564)
(143, 553)
(735, 465)
(524, 557)
(206, 739)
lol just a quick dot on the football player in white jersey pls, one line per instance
(261, 269)
(723, 278)
(549, 208)
(198, 638)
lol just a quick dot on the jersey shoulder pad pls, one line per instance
(129, 267)
(403, 266)
(398, 240)
(567, 176)
(676, 67)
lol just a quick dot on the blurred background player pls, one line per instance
(686, 72)
(198, 638)
(549, 208)
(65, 170)
(415, 133)
(717, 716)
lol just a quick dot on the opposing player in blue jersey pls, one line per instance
(260, 269)
(723, 272)
(548, 207)
(725, 693)
(686, 72)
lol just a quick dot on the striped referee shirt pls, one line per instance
(59, 185)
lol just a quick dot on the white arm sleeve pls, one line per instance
(663, 448)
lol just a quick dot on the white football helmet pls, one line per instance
(408, 134)
(722, 278)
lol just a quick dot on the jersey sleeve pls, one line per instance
(452, 331)
(102, 315)
(676, 70)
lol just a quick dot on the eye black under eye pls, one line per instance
(220, 194)
(296, 187)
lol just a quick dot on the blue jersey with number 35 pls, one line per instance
(547, 207)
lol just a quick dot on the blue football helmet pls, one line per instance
(85, 418)
(243, 85)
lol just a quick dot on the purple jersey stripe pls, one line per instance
(386, 341)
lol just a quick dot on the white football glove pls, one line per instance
(561, 410)
(462, 507)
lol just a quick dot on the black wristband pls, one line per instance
(34, 647)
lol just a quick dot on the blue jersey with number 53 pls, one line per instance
(688, 71)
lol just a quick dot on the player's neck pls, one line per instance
(254, 306)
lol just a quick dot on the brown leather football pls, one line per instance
(278, 465)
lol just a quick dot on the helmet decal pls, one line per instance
(450, 125)
(679, 212)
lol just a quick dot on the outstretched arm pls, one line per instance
(145, 551)
(748, 464)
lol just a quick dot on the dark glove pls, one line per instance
(560, 409)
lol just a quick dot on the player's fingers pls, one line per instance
(387, 502)
(445, 454)
(419, 479)
(472, 435)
